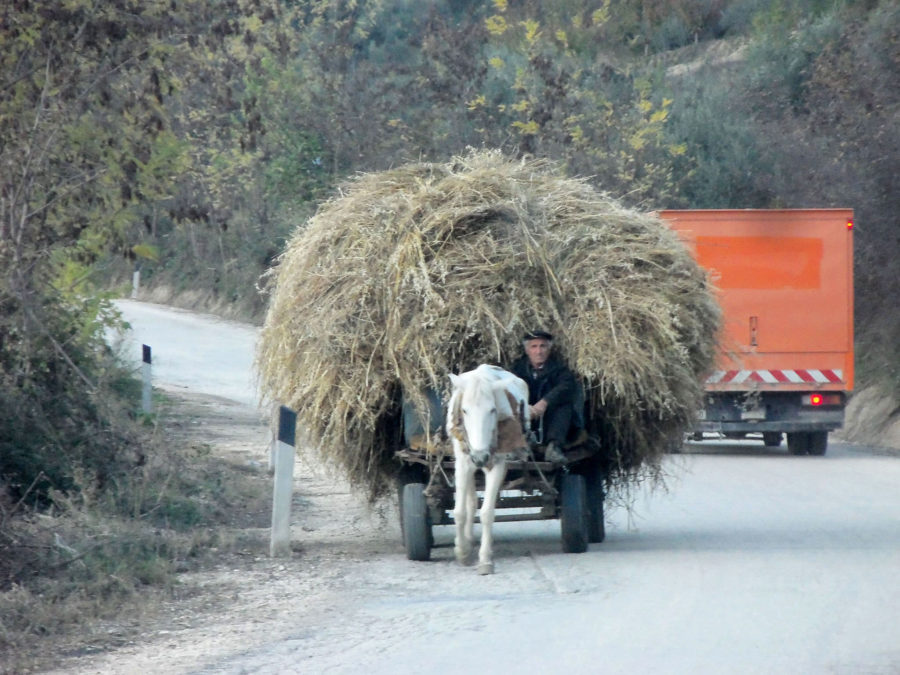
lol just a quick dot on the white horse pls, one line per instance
(486, 418)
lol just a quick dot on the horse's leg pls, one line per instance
(465, 484)
(493, 479)
(471, 507)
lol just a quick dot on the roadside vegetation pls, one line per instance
(188, 140)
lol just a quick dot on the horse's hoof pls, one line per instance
(486, 568)
(464, 559)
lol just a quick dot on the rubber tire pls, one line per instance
(594, 511)
(798, 442)
(415, 522)
(817, 443)
(573, 513)
(772, 439)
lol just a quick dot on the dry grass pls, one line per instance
(91, 569)
(427, 269)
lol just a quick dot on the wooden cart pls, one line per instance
(534, 489)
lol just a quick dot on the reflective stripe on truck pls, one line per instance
(810, 376)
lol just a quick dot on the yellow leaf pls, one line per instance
(147, 251)
(531, 30)
(497, 63)
(529, 128)
(637, 141)
(500, 5)
(520, 79)
(476, 102)
(496, 24)
(601, 16)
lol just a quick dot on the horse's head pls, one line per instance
(475, 414)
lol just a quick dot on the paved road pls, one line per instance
(193, 352)
(754, 561)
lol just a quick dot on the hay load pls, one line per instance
(427, 269)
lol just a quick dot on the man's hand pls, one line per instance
(539, 408)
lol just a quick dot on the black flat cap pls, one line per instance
(538, 335)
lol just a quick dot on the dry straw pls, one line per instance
(416, 272)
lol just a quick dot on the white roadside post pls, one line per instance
(273, 443)
(146, 403)
(283, 484)
(135, 282)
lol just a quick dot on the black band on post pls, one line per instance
(287, 425)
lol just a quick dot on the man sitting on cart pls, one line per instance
(552, 392)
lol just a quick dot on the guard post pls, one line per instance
(282, 491)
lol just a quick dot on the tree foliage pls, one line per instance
(190, 138)
(84, 147)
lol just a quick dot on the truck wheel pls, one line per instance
(772, 439)
(818, 442)
(798, 442)
(415, 522)
(573, 516)
(595, 496)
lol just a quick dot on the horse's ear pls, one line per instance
(456, 381)
(505, 402)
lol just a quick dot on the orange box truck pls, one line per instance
(784, 279)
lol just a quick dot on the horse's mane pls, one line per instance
(480, 385)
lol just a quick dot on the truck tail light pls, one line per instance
(850, 224)
(815, 400)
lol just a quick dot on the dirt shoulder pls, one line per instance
(239, 597)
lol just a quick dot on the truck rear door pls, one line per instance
(784, 279)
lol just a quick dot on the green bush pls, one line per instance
(785, 44)
(724, 159)
(60, 406)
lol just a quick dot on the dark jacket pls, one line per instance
(554, 382)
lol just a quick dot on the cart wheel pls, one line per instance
(798, 442)
(594, 512)
(573, 515)
(415, 522)
(817, 442)
(772, 439)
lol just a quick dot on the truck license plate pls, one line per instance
(754, 414)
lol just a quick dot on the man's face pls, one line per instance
(537, 351)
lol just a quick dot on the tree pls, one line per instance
(85, 145)
(599, 118)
